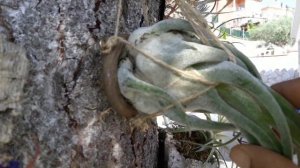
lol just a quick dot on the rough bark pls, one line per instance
(64, 112)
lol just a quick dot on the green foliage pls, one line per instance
(250, 25)
(224, 34)
(276, 31)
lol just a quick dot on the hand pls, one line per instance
(251, 156)
(290, 90)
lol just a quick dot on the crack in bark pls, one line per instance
(62, 54)
(61, 39)
(91, 28)
(132, 141)
(161, 10)
(6, 26)
(97, 5)
(7, 110)
(162, 158)
(14, 7)
(79, 156)
(72, 122)
(38, 3)
(77, 72)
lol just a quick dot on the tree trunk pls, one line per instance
(60, 116)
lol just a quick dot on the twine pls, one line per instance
(118, 18)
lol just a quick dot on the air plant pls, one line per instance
(181, 66)
(177, 66)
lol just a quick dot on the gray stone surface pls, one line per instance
(65, 112)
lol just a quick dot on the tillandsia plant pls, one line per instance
(177, 66)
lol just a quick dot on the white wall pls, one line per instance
(295, 32)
